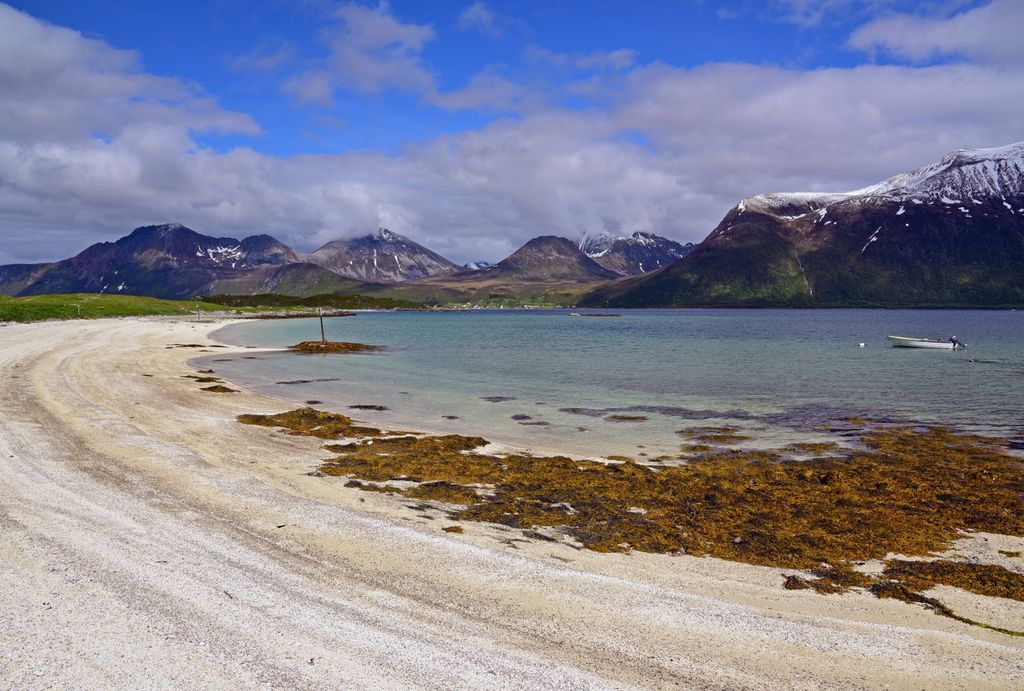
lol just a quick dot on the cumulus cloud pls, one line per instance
(659, 148)
(989, 33)
(368, 51)
(55, 81)
(479, 17)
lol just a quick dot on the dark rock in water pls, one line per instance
(667, 411)
(314, 402)
(368, 406)
(450, 417)
(536, 423)
(497, 399)
(305, 381)
(520, 416)
(589, 412)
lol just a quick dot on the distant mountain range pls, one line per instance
(949, 233)
(172, 261)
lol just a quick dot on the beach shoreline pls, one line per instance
(153, 539)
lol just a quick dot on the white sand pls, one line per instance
(140, 548)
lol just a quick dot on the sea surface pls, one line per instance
(779, 375)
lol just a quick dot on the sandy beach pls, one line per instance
(151, 540)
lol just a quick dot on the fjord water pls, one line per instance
(781, 374)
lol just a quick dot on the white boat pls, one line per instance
(910, 342)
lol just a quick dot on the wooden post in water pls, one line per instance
(323, 335)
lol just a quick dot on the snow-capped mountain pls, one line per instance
(476, 266)
(962, 177)
(634, 254)
(948, 233)
(381, 257)
(597, 245)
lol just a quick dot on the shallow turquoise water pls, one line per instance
(778, 373)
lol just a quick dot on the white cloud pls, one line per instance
(989, 33)
(55, 81)
(662, 149)
(479, 17)
(811, 13)
(484, 91)
(613, 60)
(269, 56)
(368, 51)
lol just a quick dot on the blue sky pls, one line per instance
(472, 126)
(218, 44)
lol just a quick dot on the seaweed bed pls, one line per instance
(905, 490)
(218, 388)
(334, 347)
(713, 435)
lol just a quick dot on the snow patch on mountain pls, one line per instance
(380, 256)
(973, 174)
(963, 174)
(220, 255)
(632, 254)
(598, 245)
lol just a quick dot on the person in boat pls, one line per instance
(954, 341)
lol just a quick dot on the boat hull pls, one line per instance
(904, 342)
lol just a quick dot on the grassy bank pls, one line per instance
(92, 306)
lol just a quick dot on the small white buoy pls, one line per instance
(861, 345)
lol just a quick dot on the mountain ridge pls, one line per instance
(633, 254)
(369, 258)
(948, 233)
